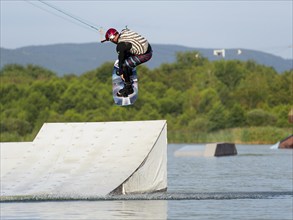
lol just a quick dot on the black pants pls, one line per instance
(134, 60)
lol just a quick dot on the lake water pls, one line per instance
(255, 184)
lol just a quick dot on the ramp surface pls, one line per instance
(86, 159)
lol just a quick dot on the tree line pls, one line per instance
(196, 96)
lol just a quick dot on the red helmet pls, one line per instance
(110, 34)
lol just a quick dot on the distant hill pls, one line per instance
(79, 58)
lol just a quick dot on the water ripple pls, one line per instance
(152, 196)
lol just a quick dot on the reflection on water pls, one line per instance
(255, 184)
(277, 208)
(85, 209)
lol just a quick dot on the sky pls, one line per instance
(258, 25)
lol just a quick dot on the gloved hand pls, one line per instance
(119, 72)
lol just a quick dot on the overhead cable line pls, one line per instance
(78, 21)
(58, 15)
(71, 16)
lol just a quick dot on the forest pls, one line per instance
(202, 101)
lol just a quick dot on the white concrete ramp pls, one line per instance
(87, 159)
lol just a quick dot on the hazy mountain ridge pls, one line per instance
(79, 58)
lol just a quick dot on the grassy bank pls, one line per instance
(247, 135)
(195, 96)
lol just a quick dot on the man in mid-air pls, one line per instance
(133, 50)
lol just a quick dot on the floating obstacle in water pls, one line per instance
(220, 149)
(287, 143)
(86, 159)
(210, 150)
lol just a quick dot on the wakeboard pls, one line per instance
(118, 83)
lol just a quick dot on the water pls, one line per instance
(255, 184)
